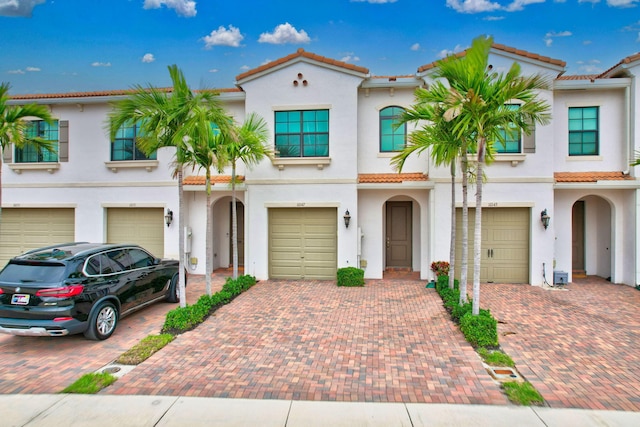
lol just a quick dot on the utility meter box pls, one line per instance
(560, 277)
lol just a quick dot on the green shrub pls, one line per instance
(458, 311)
(495, 357)
(480, 330)
(350, 276)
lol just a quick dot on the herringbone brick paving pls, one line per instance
(390, 341)
(579, 347)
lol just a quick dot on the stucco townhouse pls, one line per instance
(563, 199)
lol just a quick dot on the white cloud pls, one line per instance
(589, 1)
(15, 71)
(350, 57)
(33, 69)
(473, 6)
(26, 70)
(494, 18)
(186, 8)
(285, 33)
(548, 38)
(148, 58)
(245, 68)
(622, 3)
(445, 52)
(18, 8)
(101, 64)
(223, 37)
(590, 67)
(213, 70)
(415, 47)
(520, 4)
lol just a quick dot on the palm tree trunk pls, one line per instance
(452, 247)
(234, 222)
(464, 263)
(209, 250)
(182, 279)
(477, 240)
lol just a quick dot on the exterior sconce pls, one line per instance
(347, 218)
(544, 218)
(168, 218)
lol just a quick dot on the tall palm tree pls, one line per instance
(13, 126)
(246, 144)
(162, 113)
(478, 104)
(204, 150)
(446, 149)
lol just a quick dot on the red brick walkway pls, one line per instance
(579, 347)
(390, 341)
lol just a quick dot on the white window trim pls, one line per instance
(50, 167)
(149, 165)
(319, 162)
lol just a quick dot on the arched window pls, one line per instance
(392, 138)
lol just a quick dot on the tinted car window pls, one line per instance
(140, 258)
(101, 264)
(122, 258)
(23, 273)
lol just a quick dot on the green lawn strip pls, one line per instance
(522, 393)
(495, 357)
(144, 349)
(91, 383)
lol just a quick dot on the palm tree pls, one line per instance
(204, 150)
(446, 149)
(246, 144)
(13, 126)
(162, 113)
(478, 104)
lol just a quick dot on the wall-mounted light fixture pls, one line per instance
(545, 218)
(168, 218)
(347, 218)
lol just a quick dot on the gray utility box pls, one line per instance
(560, 277)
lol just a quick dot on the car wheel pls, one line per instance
(103, 321)
(174, 292)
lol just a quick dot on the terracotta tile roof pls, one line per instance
(629, 59)
(590, 176)
(215, 179)
(504, 48)
(394, 78)
(100, 93)
(301, 53)
(579, 77)
(385, 178)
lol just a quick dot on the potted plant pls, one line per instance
(439, 268)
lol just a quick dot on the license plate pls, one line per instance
(20, 299)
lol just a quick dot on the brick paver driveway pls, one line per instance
(390, 341)
(579, 347)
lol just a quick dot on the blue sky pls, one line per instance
(54, 46)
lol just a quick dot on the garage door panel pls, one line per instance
(22, 229)
(142, 226)
(505, 244)
(302, 243)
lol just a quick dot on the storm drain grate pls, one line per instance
(504, 374)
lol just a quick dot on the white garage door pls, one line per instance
(142, 226)
(303, 243)
(505, 245)
(22, 229)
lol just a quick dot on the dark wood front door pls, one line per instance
(577, 224)
(399, 234)
(240, 214)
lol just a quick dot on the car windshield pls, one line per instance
(27, 273)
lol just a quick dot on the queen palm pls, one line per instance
(13, 127)
(245, 144)
(478, 104)
(446, 149)
(161, 114)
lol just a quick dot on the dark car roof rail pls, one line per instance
(53, 247)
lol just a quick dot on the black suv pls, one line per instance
(81, 287)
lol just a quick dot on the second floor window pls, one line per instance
(302, 133)
(43, 130)
(511, 136)
(392, 138)
(124, 147)
(583, 131)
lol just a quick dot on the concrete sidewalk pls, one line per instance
(122, 411)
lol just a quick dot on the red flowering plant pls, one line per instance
(440, 268)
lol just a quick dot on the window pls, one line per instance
(124, 146)
(31, 154)
(302, 133)
(511, 141)
(391, 138)
(583, 131)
